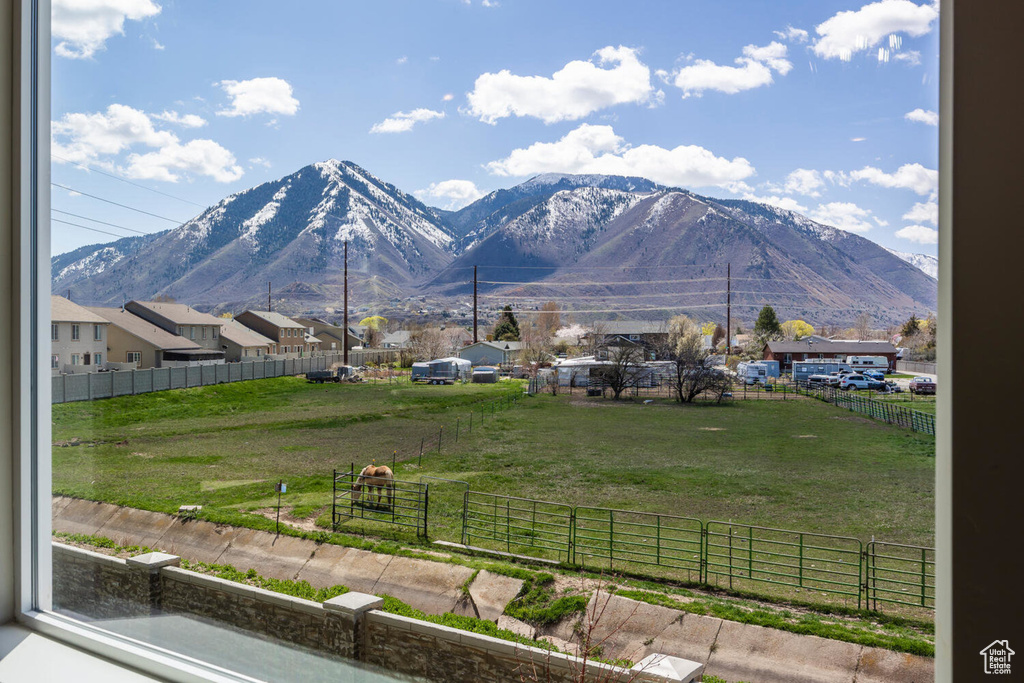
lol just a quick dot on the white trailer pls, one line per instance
(861, 363)
(753, 372)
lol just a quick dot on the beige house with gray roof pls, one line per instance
(184, 321)
(289, 334)
(132, 339)
(78, 337)
(240, 343)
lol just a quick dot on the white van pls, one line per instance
(861, 363)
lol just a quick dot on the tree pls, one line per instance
(428, 344)
(624, 368)
(767, 325)
(718, 336)
(375, 322)
(507, 327)
(692, 376)
(862, 328)
(549, 319)
(372, 337)
(910, 327)
(796, 329)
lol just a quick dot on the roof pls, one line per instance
(631, 326)
(310, 339)
(66, 311)
(143, 329)
(275, 318)
(236, 332)
(399, 337)
(853, 348)
(179, 314)
(500, 345)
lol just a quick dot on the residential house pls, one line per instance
(491, 352)
(330, 337)
(402, 339)
(651, 336)
(180, 319)
(457, 337)
(289, 334)
(78, 337)
(135, 340)
(825, 349)
(240, 343)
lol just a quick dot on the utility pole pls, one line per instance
(728, 310)
(345, 344)
(475, 340)
(270, 306)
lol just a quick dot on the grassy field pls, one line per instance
(798, 464)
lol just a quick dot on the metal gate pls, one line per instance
(520, 525)
(404, 503)
(900, 574)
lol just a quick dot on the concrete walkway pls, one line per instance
(628, 628)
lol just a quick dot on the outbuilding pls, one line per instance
(485, 375)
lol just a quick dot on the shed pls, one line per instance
(451, 367)
(485, 375)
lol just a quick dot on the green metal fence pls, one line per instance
(740, 553)
(900, 574)
(403, 503)
(521, 525)
(778, 562)
(618, 538)
(879, 410)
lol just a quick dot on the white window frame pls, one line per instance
(54, 332)
(97, 333)
(76, 332)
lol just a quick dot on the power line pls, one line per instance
(521, 312)
(123, 206)
(672, 267)
(502, 297)
(95, 220)
(125, 180)
(85, 227)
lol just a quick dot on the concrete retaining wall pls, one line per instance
(96, 586)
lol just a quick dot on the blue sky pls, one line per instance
(827, 108)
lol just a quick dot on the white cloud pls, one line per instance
(259, 161)
(98, 138)
(200, 157)
(928, 117)
(787, 203)
(268, 95)
(841, 178)
(157, 45)
(853, 31)
(459, 193)
(791, 34)
(843, 215)
(919, 233)
(597, 149)
(927, 212)
(804, 181)
(403, 121)
(490, 3)
(84, 27)
(911, 57)
(574, 91)
(754, 70)
(401, 60)
(448, 97)
(186, 120)
(914, 177)
(857, 139)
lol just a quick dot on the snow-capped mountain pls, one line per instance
(929, 265)
(631, 241)
(285, 231)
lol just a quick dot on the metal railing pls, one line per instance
(607, 536)
(878, 409)
(403, 503)
(521, 525)
(900, 574)
(744, 553)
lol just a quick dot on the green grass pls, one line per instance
(798, 464)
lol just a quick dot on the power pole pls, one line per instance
(728, 310)
(345, 344)
(270, 306)
(474, 307)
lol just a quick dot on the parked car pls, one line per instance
(831, 380)
(861, 382)
(922, 385)
(874, 374)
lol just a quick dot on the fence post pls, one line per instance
(420, 460)
(439, 435)
(426, 508)
(923, 560)
(730, 557)
(465, 515)
(334, 501)
(456, 430)
(801, 581)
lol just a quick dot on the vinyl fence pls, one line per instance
(97, 385)
(915, 366)
(741, 557)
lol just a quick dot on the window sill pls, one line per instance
(29, 656)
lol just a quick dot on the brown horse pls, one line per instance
(377, 477)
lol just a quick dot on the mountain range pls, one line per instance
(616, 246)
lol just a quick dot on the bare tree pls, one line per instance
(692, 376)
(372, 338)
(429, 343)
(624, 369)
(596, 337)
(535, 350)
(863, 326)
(549, 319)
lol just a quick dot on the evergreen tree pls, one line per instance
(507, 327)
(910, 327)
(767, 324)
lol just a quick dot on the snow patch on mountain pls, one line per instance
(571, 212)
(93, 264)
(929, 265)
